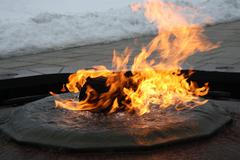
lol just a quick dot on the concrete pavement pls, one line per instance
(226, 58)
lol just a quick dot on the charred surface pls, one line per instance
(99, 86)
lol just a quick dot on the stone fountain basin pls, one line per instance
(40, 123)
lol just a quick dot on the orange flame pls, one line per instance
(156, 72)
(135, 7)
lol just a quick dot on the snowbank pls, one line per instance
(38, 25)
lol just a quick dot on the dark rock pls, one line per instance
(40, 123)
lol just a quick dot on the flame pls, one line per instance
(156, 76)
(135, 7)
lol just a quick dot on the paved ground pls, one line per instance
(225, 58)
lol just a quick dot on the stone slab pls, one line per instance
(40, 123)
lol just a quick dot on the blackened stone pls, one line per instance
(98, 84)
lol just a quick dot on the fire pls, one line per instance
(135, 7)
(155, 77)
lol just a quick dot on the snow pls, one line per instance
(34, 26)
